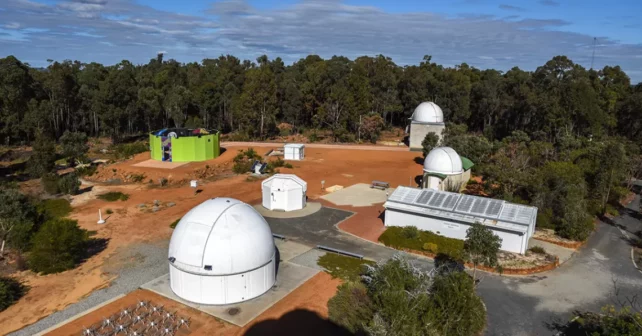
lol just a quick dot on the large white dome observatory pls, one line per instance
(222, 251)
(428, 112)
(443, 160)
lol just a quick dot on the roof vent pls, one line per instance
(172, 259)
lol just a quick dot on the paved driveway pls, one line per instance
(516, 305)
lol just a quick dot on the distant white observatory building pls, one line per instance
(222, 252)
(285, 192)
(427, 118)
(445, 170)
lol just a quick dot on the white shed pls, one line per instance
(221, 252)
(451, 214)
(284, 192)
(294, 151)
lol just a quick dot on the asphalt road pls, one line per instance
(516, 305)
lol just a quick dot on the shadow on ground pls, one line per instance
(94, 246)
(298, 322)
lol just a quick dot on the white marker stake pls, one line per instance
(100, 218)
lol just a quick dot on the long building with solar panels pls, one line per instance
(451, 214)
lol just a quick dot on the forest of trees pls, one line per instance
(251, 98)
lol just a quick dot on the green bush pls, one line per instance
(545, 219)
(244, 160)
(410, 232)
(57, 246)
(113, 196)
(431, 247)
(54, 208)
(346, 268)
(10, 291)
(137, 177)
(430, 141)
(49, 183)
(395, 298)
(313, 137)
(174, 223)
(86, 171)
(394, 237)
(612, 322)
(611, 210)
(288, 165)
(69, 184)
(537, 250)
(124, 151)
(109, 211)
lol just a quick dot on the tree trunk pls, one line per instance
(2, 249)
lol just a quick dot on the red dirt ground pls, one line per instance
(311, 298)
(129, 225)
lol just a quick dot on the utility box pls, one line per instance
(294, 152)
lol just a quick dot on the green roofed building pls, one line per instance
(445, 170)
(184, 145)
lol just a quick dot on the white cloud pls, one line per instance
(128, 30)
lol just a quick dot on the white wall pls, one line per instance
(222, 289)
(293, 153)
(418, 133)
(511, 242)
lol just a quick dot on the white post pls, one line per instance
(100, 217)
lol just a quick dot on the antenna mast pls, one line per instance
(593, 56)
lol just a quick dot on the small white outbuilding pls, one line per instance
(221, 252)
(286, 192)
(294, 152)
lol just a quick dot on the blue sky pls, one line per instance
(485, 34)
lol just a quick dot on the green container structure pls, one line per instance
(184, 145)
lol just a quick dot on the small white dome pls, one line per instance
(428, 112)
(443, 160)
(221, 236)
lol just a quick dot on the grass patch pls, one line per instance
(346, 268)
(537, 250)
(55, 208)
(414, 239)
(174, 223)
(113, 196)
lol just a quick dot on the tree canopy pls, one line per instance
(251, 98)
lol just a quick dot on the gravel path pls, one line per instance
(149, 262)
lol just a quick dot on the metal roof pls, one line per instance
(443, 160)
(285, 182)
(428, 112)
(488, 211)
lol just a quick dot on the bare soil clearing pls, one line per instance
(129, 225)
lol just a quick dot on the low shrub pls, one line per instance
(10, 291)
(537, 250)
(54, 208)
(174, 223)
(395, 237)
(288, 165)
(109, 211)
(49, 183)
(545, 219)
(163, 181)
(410, 232)
(69, 184)
(430, 247)
(313, 137)
(86, 171)
(57, 246)
(611, 210)
(244, 160)
(343, 267)
(113, 196)
(124, 151)
(137, 177)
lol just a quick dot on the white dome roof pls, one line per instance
(428, 112)
(443, 160)
(223, 234)
(285, 182)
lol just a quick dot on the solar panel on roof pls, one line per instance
(410, 196)
(494, 208)
(437, 199)
(465, 203)
(450, 201)
(424, 197)
(509, 212)
(398, 194)
(479, 206)
(524, 214)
